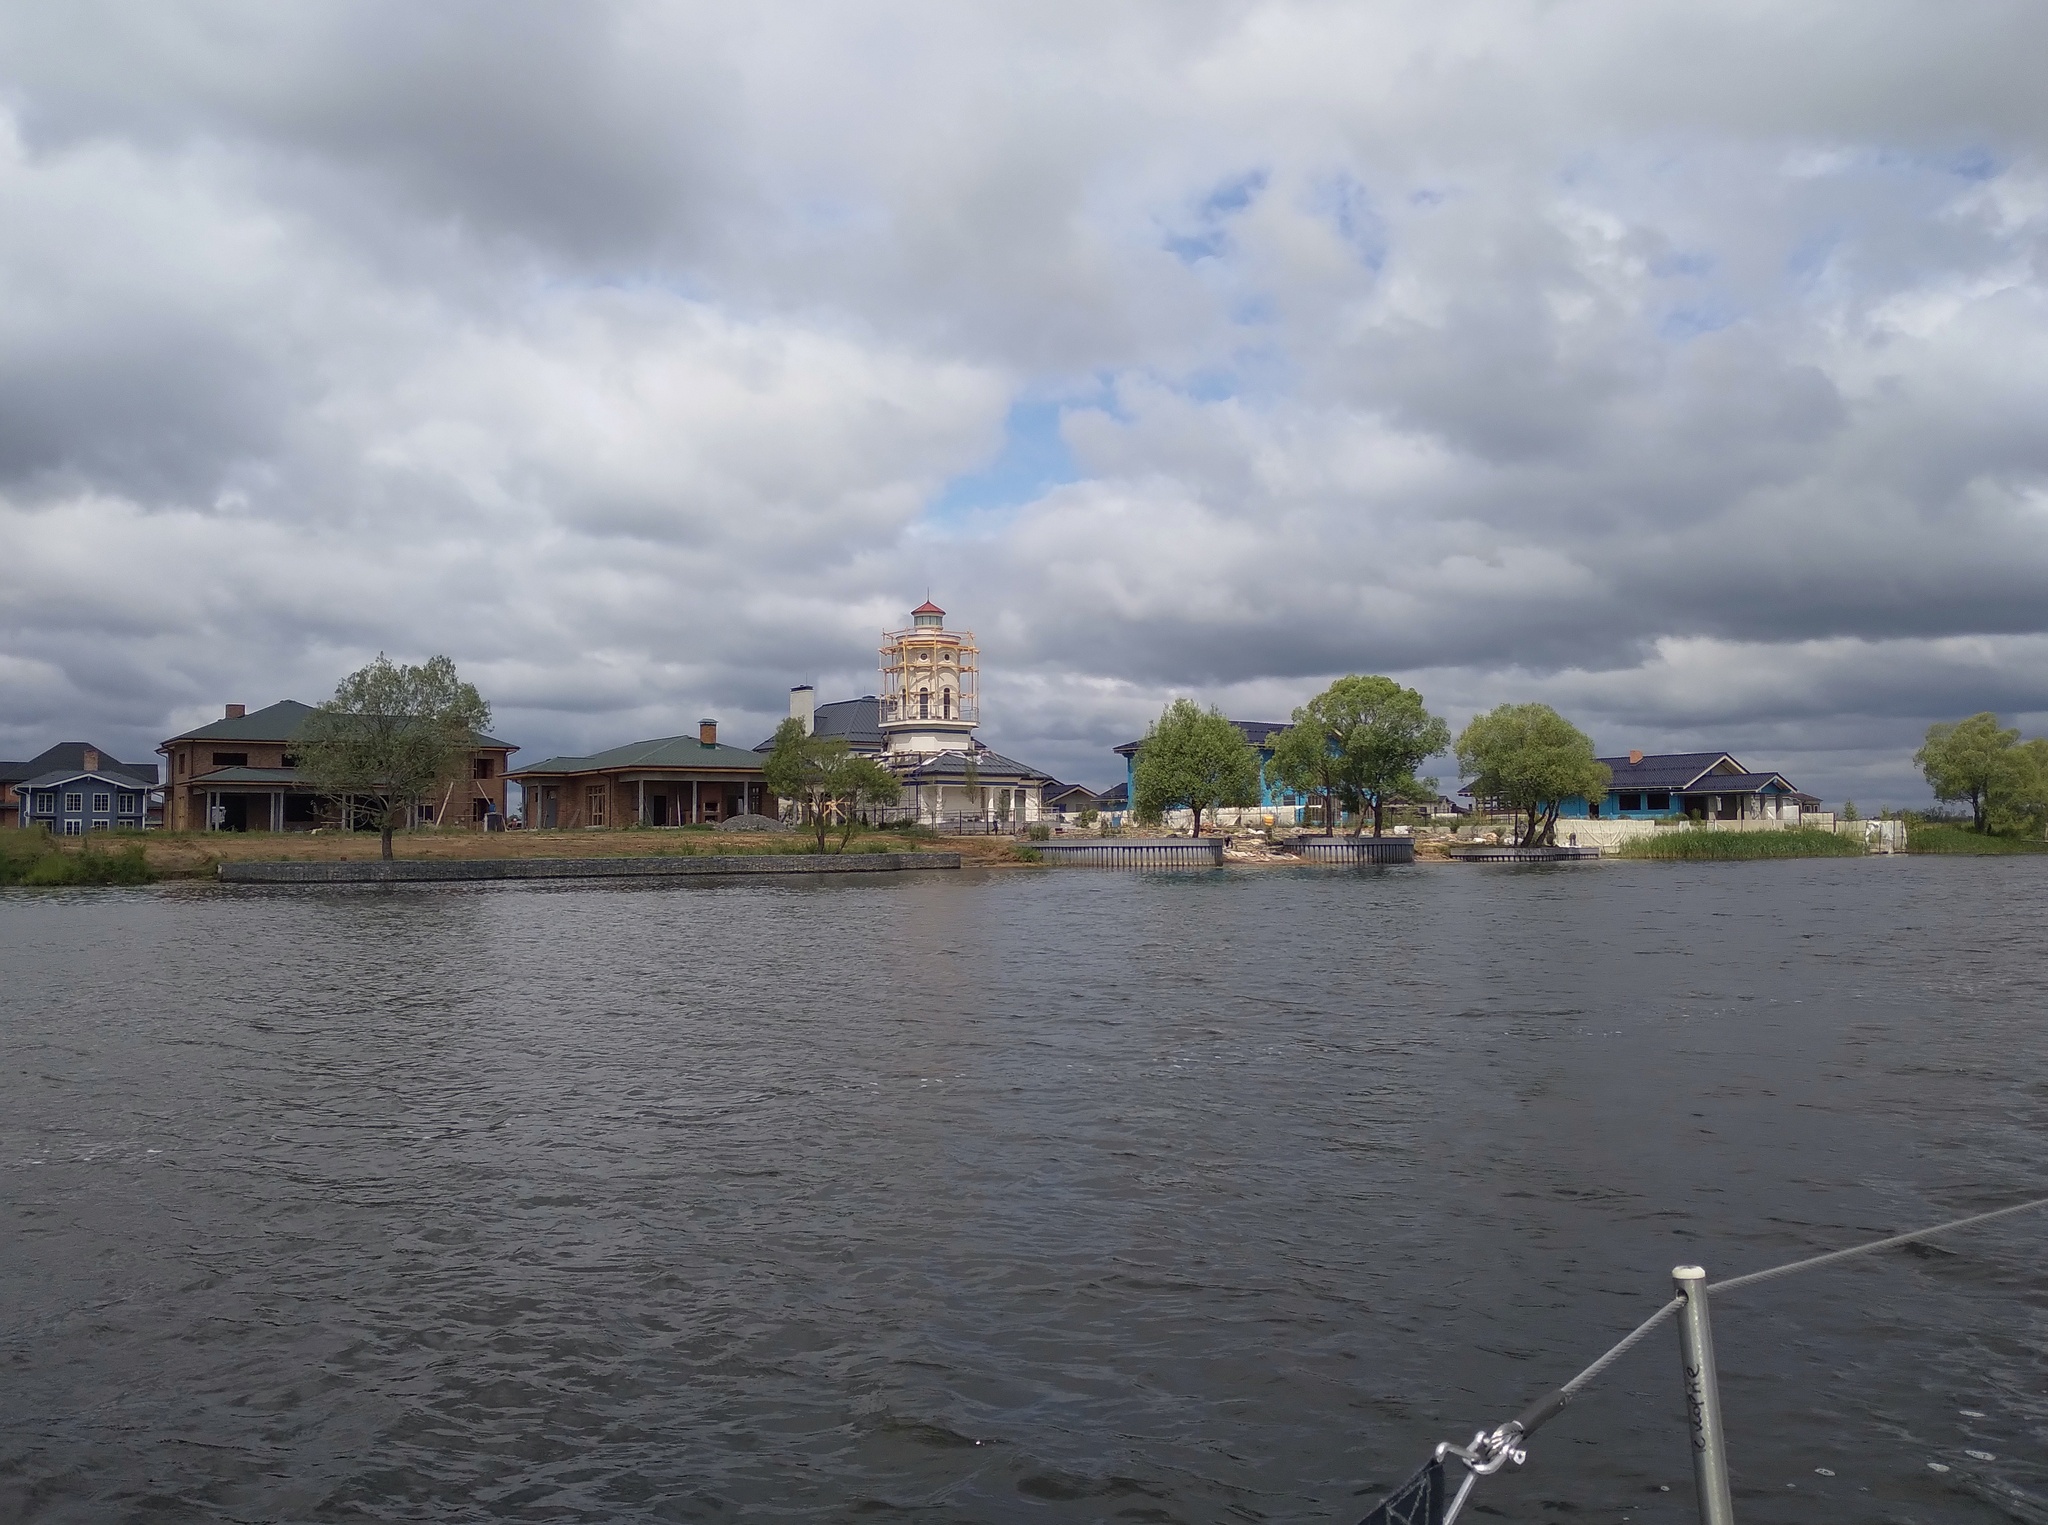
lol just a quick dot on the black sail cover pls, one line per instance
(1419, 1501)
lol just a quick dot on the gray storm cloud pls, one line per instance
(1681, 368)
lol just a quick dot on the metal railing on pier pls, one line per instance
(1425, 1498)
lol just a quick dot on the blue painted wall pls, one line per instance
(71, 807)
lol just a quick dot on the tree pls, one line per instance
(1194, 761)
(1967, 760)
(1361, 738)
(1531, 759)
(389, 737)
(854, 781)
(822, 777)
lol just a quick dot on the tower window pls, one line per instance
(924, 704)
(946, 703)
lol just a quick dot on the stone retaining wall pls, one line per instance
(470, 870)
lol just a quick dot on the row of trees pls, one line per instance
(2003, 779)
(1357, 745)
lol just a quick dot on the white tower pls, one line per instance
(930, 687)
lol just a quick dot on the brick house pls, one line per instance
(239, 774)
(669, 781)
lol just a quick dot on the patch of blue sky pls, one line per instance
(1033, 460)
(1209, 238)
(1682, 266)
(1348, 207)
(1975, 164)
(1692, 321)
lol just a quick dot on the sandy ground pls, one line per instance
(187, 855)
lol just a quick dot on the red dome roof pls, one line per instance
(927, 607)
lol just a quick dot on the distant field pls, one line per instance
(1735, 846)
(1962, 839)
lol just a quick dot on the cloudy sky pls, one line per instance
(1682, 366)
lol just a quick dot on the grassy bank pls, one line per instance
(1933, 838)
(31, 858)
(195, 855)
(1685, 846)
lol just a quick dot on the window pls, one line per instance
(231, 759)
(74, 803)
(102, 825)
(1659, 800)
(288, 760)
(426, 815)
(131, 804)
(1630, 801)
(71, 828)
(102, 803)
(924, 704)
(593, 805)
(946, 703)
(45, 803)
(481, 768)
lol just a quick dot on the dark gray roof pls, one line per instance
(60, 776)
(990, 767)
(1054, 793)
(71, 755)
(1669, 770)
(1257, 732)
(1118, 796)
(281, 722)
(663, 752)
(1739, 783)
(858, 721)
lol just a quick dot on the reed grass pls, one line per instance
(1967, 840)
(32, 858)
(1691, 846)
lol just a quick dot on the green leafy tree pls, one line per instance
(2020, 795)
(822, 778)
(1530, 759)
(389, 737)
(1361, 740)
(1968, 760)
(855, 782)
(1195, 761)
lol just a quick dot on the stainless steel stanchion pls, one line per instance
(1703, 1398)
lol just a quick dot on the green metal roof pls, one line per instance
(271, 776)
(282, 721)
(664, 752)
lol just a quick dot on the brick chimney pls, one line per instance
(91, 760)
(1635, 755)
(707, 732)
(236, 712)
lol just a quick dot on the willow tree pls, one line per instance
(390, 738)
(1530, 759)
(1362, 739)
(1193, 760)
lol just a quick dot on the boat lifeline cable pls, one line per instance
(1422, 1499)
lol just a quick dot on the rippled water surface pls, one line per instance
(1051, 1196)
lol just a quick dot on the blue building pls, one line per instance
(1273, 794)
(74, 788)
(1705, 786)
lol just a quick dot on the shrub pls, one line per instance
(1937, 837)
(36, 860)
(1027, 855)
(1039, 832)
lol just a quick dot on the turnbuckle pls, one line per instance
(1488, 1453)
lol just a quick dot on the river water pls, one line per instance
(1051, 1196)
